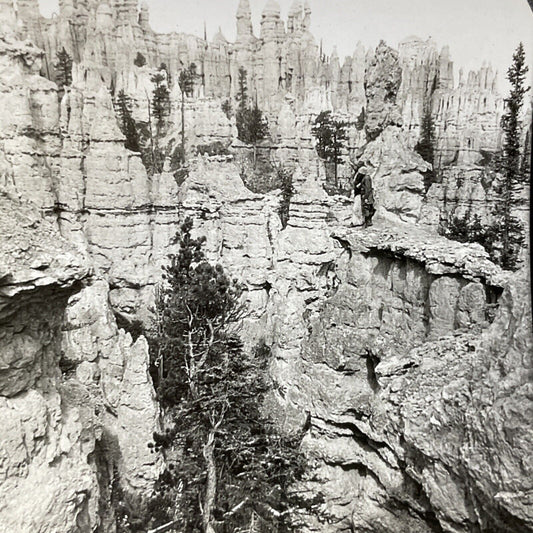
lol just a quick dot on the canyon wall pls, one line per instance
(75, 392)
(405, 354)
(384, 347)
(75, 395)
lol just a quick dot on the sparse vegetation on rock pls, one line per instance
(503, 237)
(139, 60)
(251, 124)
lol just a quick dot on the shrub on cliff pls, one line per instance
(139, 60)
(284, 177)
(229, 467)
(470, 229)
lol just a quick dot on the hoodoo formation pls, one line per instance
(399, 338)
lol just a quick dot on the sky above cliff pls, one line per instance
(475, 30)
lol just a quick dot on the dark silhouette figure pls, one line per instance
(363, 186)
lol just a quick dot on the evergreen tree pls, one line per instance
(230, 466)
(242, 114)
(159, 110)
(426, 143)
(63, 67)
(503, 237)
(186, 81)
(160, 100)
(512, 232)
(251, 124)
(242, 91)
(331, 136)
(227, 109)
(526, 159)
(126, 122)
(511, 123)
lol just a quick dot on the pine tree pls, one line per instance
(503, 237)
(241, 116)
(242, 91)
(426, 144)
(160, 100)
(159, 110)
(251, 124)
(512, 232)
(229, 462)
(186, 81)
(331, 136)
(526, 158)
(63, 67)
(227, 109)
(127, 124)
(511, 123)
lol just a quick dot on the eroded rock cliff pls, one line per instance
(75, 394)
(395, 346)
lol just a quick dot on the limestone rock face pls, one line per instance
(75, 394)
(381, 338)
(446, 408)
(383, 76)
(39, 272)
(109, 360)
(394, 375)
(464, 192)
(105, 38)
(32, 262)
(205, 124)
(29, 124)
(377, 336)
(396, 173)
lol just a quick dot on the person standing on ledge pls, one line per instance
(363, 185)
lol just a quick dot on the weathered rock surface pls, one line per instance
(383, 76)
(37, 275)
(419, 408)
(381, 337)
(394, 375)
(75, 393)
(397, 175)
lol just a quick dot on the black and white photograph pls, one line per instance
(265, 266)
